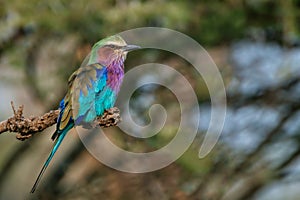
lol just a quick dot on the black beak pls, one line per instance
(130, 47)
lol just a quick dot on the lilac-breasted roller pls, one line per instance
(93, 89)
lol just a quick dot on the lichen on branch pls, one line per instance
(27, 127)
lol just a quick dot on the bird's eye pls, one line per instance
(111, 46)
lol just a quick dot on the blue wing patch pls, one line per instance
(90, 81)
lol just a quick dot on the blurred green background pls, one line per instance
(255, 44)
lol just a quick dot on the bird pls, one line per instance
(92, 89)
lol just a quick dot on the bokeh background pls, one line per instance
(255, 44)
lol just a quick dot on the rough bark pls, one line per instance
(27, 127)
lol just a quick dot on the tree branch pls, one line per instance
(26, 127)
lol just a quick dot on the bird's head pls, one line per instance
(110, 49)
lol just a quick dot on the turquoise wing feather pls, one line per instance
(90, 83)
(79, 105)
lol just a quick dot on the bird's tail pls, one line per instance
(53, 151)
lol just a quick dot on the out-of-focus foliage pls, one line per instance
(94, 19)
(210, 22)
(255, 45)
